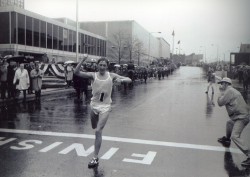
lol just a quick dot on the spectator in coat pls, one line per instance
(36, 80)
(11, 74)
(29, 68)
(245, 77)
(21, 80)
(3, 79)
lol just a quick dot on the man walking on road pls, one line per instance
(102, 83)
(239, 117)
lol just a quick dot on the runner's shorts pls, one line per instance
(100, 108)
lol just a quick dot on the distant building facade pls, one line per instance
(17, 3)
(127, 40)
(26, 33)
(242, 57)
(193, 59)
(245, 48)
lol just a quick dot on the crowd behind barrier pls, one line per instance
(27, 76)
(241, 73)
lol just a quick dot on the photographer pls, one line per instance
(238, 114)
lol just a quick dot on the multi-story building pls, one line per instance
(127, 40)
(26, 33)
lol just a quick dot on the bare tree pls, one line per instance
(134, 48)
(138, 50)
(118, 45)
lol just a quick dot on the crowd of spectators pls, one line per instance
(20, 77)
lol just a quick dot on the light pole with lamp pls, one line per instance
(77, 47)
(205, 51)
(149, 43)
(217, 55)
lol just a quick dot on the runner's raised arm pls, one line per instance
(80, 73)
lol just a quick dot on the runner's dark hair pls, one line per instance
(103, 59)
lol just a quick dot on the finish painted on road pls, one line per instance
(125, 140)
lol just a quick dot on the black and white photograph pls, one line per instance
(124, 88)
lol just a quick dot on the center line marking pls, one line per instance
(125, 140)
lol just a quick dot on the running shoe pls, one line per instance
(93, 163)
(246, 162)
(224, 141)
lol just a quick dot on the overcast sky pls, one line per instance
(200, 25)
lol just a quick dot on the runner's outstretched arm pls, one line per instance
(79, 73)
(121, 79)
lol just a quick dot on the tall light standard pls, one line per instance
(149, 43)
(77, 47)
(217, 55)
(205, 51)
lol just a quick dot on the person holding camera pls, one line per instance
(238, 114)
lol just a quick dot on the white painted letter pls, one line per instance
(79, 150)
(110, 153)
(52, 146)
(147, 158)
(6, 141)
(26, 145)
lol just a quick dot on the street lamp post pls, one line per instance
(217, 52)
(77, 47)
(205, 51)
(149, 43)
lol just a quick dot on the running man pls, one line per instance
(102, 83)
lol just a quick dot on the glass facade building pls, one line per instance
(22, 29)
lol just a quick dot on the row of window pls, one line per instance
(20, 29)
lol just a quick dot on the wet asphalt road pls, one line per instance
(166, 128)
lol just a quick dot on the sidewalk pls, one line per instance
(45, 92)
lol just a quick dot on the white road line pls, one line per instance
(126, 140)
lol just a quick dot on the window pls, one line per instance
(13, 28)
(21, 29)
(36, 32)
(74, 42)
(29, 36)
(98, 47)
(86, 44)
(70, 48)
(65, 39)
(49, 35)
(91, 47)
(83, 43)
(60, 38)
(94, 46)
(104, 48)
(55, 37)
(5, 28)
(43, 34)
